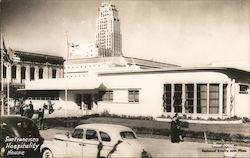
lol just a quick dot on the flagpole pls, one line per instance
(66, 90)
(67, 40)
(8, 97)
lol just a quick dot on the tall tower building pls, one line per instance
(108, 36)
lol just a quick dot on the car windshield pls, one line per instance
(127, 135)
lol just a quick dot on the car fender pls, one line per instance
(58, 151)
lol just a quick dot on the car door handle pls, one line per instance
(81, 144)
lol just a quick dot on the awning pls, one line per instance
(65, 84)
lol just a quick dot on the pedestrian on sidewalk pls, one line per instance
(31, 107)
(175, 129)
(21, 109)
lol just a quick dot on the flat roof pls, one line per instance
(239, 74)
(64, 84)
(122, 60)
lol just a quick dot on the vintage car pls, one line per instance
(95, 141)
(19, 137)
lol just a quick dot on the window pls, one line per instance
(202, 98)
(40, 73)
(23, 73)
(91, 135)
(78, 133)
(214, 98)
(54, 73)
(127, 135)
(32, 73)
(167, 98)
(105, 137)
(13, 72)
(243, 89)
(224, 104)
(177, 98)
(133, 95)
(189, 104)
(106, 95)
(4, 72)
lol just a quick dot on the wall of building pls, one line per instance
(151, 87)
(47, 72)
(242, 101)
(141, 93)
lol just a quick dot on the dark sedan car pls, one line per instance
(19, 137)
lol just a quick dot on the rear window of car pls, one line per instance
(127, 135)
(105, 137)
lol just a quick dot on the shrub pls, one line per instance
(107, 114)
(245, 119)
(184, 116)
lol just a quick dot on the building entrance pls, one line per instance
(84, 101)
(87, 100)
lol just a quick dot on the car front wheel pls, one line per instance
(47, 154)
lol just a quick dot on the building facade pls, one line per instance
(32, 66)
(108, 35)
(196, 92)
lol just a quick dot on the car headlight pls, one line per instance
(145, 154)
(2, 151)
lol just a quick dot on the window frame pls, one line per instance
(243, 88)
(214, 98)
(167, 98)
(133, 96)
(102, 132)
(91, 139)
(78, 133)
(189, 98)
(201, 98)
(107, 95)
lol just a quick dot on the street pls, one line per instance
(164, 148)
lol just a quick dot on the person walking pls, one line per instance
(21, 108)
(50, 106)
(31, 107)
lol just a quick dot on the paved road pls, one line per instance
(164, 148)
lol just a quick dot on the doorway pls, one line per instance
(87, 100)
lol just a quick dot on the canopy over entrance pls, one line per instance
(65, 84)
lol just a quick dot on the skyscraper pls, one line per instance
(108, 36)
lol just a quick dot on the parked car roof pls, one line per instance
(111, 128)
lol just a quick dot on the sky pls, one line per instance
(183, 32)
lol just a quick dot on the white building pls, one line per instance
(82, 67)
(108, 36)
(195, 92)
